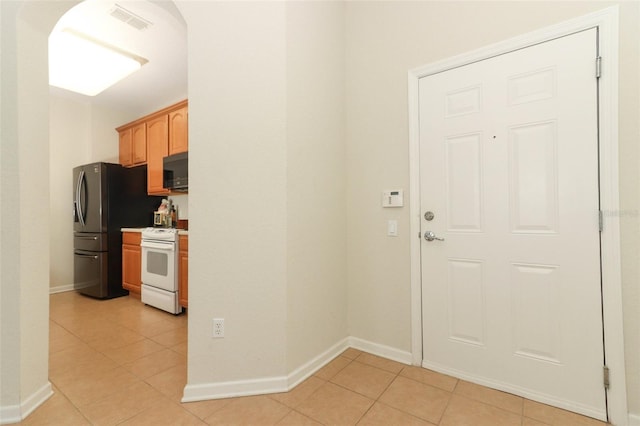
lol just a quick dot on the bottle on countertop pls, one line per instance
(174, 217)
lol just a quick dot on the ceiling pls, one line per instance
(161, 81)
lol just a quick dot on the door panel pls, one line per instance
(509, 166)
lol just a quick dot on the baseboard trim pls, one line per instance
(206, 391)
(634, 419)
(61, 289)
(305, 371)
(383, 351)
(16, 413)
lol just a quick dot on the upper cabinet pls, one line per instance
(149, 139)
(178, 131)
(157, 149)
(133, 145)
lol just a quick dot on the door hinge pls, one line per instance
(598, 66)
(605, 376)
(600, 221)
(419, 234)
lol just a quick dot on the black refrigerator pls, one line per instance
(106, 198)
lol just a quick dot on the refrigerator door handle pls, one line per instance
(78, 200)
(89, 256)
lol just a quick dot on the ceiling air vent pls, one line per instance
(129, 18)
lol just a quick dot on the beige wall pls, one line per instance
(24, 153)
(267, 143)
(79, 133)
(316, 180)
(250, 115)
(384, 40)
(237, 192)
(69, 132)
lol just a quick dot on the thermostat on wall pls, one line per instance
(392, 198)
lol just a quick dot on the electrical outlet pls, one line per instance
(218, 327)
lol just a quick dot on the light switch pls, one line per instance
(392, 228)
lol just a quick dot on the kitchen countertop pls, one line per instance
(180, 231)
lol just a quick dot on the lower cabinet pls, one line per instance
(131, 261)
(183, 270)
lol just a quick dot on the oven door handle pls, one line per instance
(158, 246)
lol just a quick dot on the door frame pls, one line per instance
(606, 21)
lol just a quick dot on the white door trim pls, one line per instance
(607, 23)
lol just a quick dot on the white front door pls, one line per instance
(509, 171)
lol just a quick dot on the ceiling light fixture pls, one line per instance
(85, 65)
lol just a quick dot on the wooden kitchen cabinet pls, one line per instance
(131, 261)
(151, 138)
(183, 270)
(126, 147)
(139, 143)
(157, 149)
(178, 131)
(133, 145)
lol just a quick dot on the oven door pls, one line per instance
(159, 264)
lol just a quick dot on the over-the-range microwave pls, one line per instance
(175, 172)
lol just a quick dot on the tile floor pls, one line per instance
(119, 362)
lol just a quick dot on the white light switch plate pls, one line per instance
(392, 228)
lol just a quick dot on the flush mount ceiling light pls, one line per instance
(85, 65)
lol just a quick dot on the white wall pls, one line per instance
(237, 191)
(79, 133)
(24, 154)
(384, 40)
(69, 136)
(267, 241)
(316, 178)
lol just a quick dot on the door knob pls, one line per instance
(430, 236)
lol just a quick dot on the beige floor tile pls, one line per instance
(181, 348)
(57, 410)
(296, 419)
(430, 377)
(78, 362)
(464, 411)
(63, 341)
(203, 409)
(170, 382)
(126, 403)
(383, 415)
(171, 337)
(499, 399)
(297, 395)
(90, 388)
(92, 385)
(159, 326)
(379, 362)
(133, 351)
(417, 399)
(364, 379)
(114, 338)
(332, 368)
(164, 413)
(556, 416)
(351, 353)
(530, 422)
(88, 326)
(252, 410)
(155, 363)
(334, 405)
